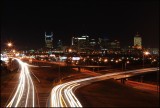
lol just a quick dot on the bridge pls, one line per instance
(85, 66)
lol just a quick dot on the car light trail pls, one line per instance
(24, 95)
(62, 95)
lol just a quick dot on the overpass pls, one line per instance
(83, 66)
(66, 90)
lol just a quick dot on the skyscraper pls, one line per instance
(49, 40)
(80, 42)
(137, 41)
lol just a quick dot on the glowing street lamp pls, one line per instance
(105, 60)
(146, 53)
(70, 50)
(9, 44)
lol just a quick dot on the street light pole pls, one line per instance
(143, 60)
(145, 53)
(9, 44)
(125, 65)
(123, 70)
(122, 65)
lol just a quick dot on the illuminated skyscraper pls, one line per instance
(49, 40)
(137, 41)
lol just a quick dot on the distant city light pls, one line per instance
(120, 59)
(4, 57)
(75, 58)
(14, 51)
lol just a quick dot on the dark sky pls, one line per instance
(25, 21)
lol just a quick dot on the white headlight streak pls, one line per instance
(24, 95)
(62, 95)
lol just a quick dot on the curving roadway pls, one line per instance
(24, 95)
(63, 95)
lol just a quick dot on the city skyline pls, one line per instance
(25, 22)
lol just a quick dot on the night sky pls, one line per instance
(24, 22)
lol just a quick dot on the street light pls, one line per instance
(105, 60)
(70, 50)
(9, 44)
(145, 53)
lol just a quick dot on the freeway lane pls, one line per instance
(63, 95)
(24, 95)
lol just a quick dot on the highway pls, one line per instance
(24, 94)
(63, 95)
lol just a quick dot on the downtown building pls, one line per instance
(49, 40)
(108, 44)
(80, 44)
(90, 45)
(137, 42)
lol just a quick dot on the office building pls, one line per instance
(49, 40)
(137, 41)
(80, 42)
